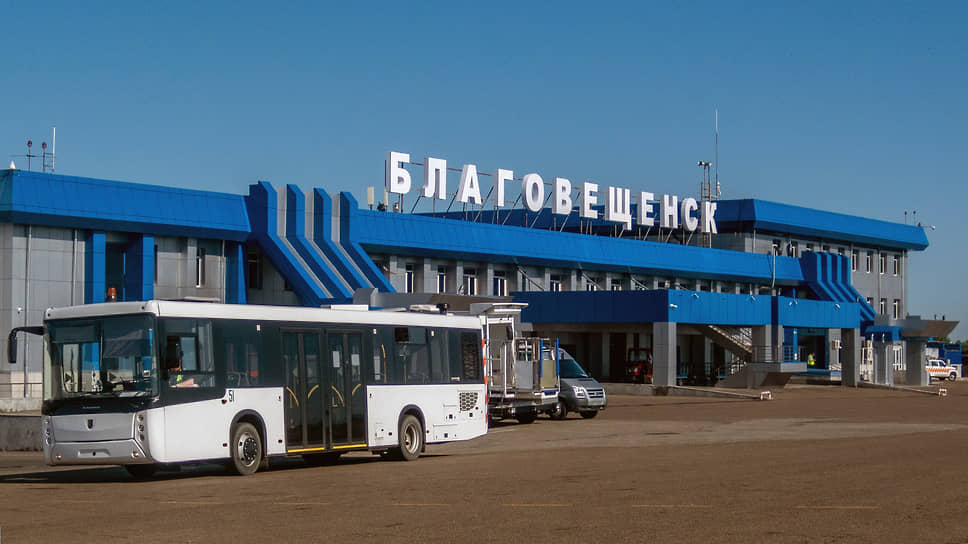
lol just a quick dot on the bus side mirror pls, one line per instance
(12, 341)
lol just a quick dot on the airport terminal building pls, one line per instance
(734, 292)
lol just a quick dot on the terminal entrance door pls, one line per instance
(346, 403)
(304, 402)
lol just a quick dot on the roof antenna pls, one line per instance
(716, 159)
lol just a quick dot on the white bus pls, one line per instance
(153, 384)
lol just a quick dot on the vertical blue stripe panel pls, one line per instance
(234, 273)
(95, 249)
(139, 269)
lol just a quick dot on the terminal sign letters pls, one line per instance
(668, 212)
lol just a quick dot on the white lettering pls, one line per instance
(562, 202)
(709, 217)
(435, 178)
(500, 176)
(470, 189)
(670, 212)
(619, 206)
(646, 218)
(689, 221)
(532, 189)
(398, 179)
(589, 199)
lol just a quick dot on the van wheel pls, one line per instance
(953, 376)
(527, 417)
(588, 414)
(411, 439)
(246, 449)
(560, 411)
(141, 472)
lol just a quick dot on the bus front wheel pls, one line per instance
(411, 438)
(246, 449)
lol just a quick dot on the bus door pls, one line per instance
(346, 403)
(305, 397)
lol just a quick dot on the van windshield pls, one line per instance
(569, 368)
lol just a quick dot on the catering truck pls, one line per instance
(522, 374)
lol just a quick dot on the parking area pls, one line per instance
(816, 464)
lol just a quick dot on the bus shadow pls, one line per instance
(86, 475)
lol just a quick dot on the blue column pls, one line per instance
(234, 273)
(95, 249)
(139, 269)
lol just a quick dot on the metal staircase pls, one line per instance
(736, 340)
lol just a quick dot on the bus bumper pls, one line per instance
(108, 452)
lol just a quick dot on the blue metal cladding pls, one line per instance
(75, 202)
(322, 235)
(749, 214)
(800, 312)
(398, 233)
(95, 274)
(263, 210)
(235, 273)
(139, 269)
(697, 307)
(351, 229)
(295, 234)
(829, 277)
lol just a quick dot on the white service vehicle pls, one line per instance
(522, 375)
(940, 370)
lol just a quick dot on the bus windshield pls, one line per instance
(107, 357)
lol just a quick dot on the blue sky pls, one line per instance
(854, 107)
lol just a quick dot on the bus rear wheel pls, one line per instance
(527, 417)
(246, 449)
(411, 439)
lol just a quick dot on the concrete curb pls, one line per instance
(20, 432)
(673, 391)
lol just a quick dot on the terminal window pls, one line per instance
(897, 265)
(254, 266)
(500, 285)
(409, 270)
(555, 284)
(200, 267)
(869, 263)
(896, 311)
(441, 279)
(853, 260)
(470, 281)
(882, 264)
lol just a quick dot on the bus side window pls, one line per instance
(173, 355)
(471, 356)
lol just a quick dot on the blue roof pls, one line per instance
(751, 214)
(69, 201)
(400, 233)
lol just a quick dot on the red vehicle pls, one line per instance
(638, 365)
